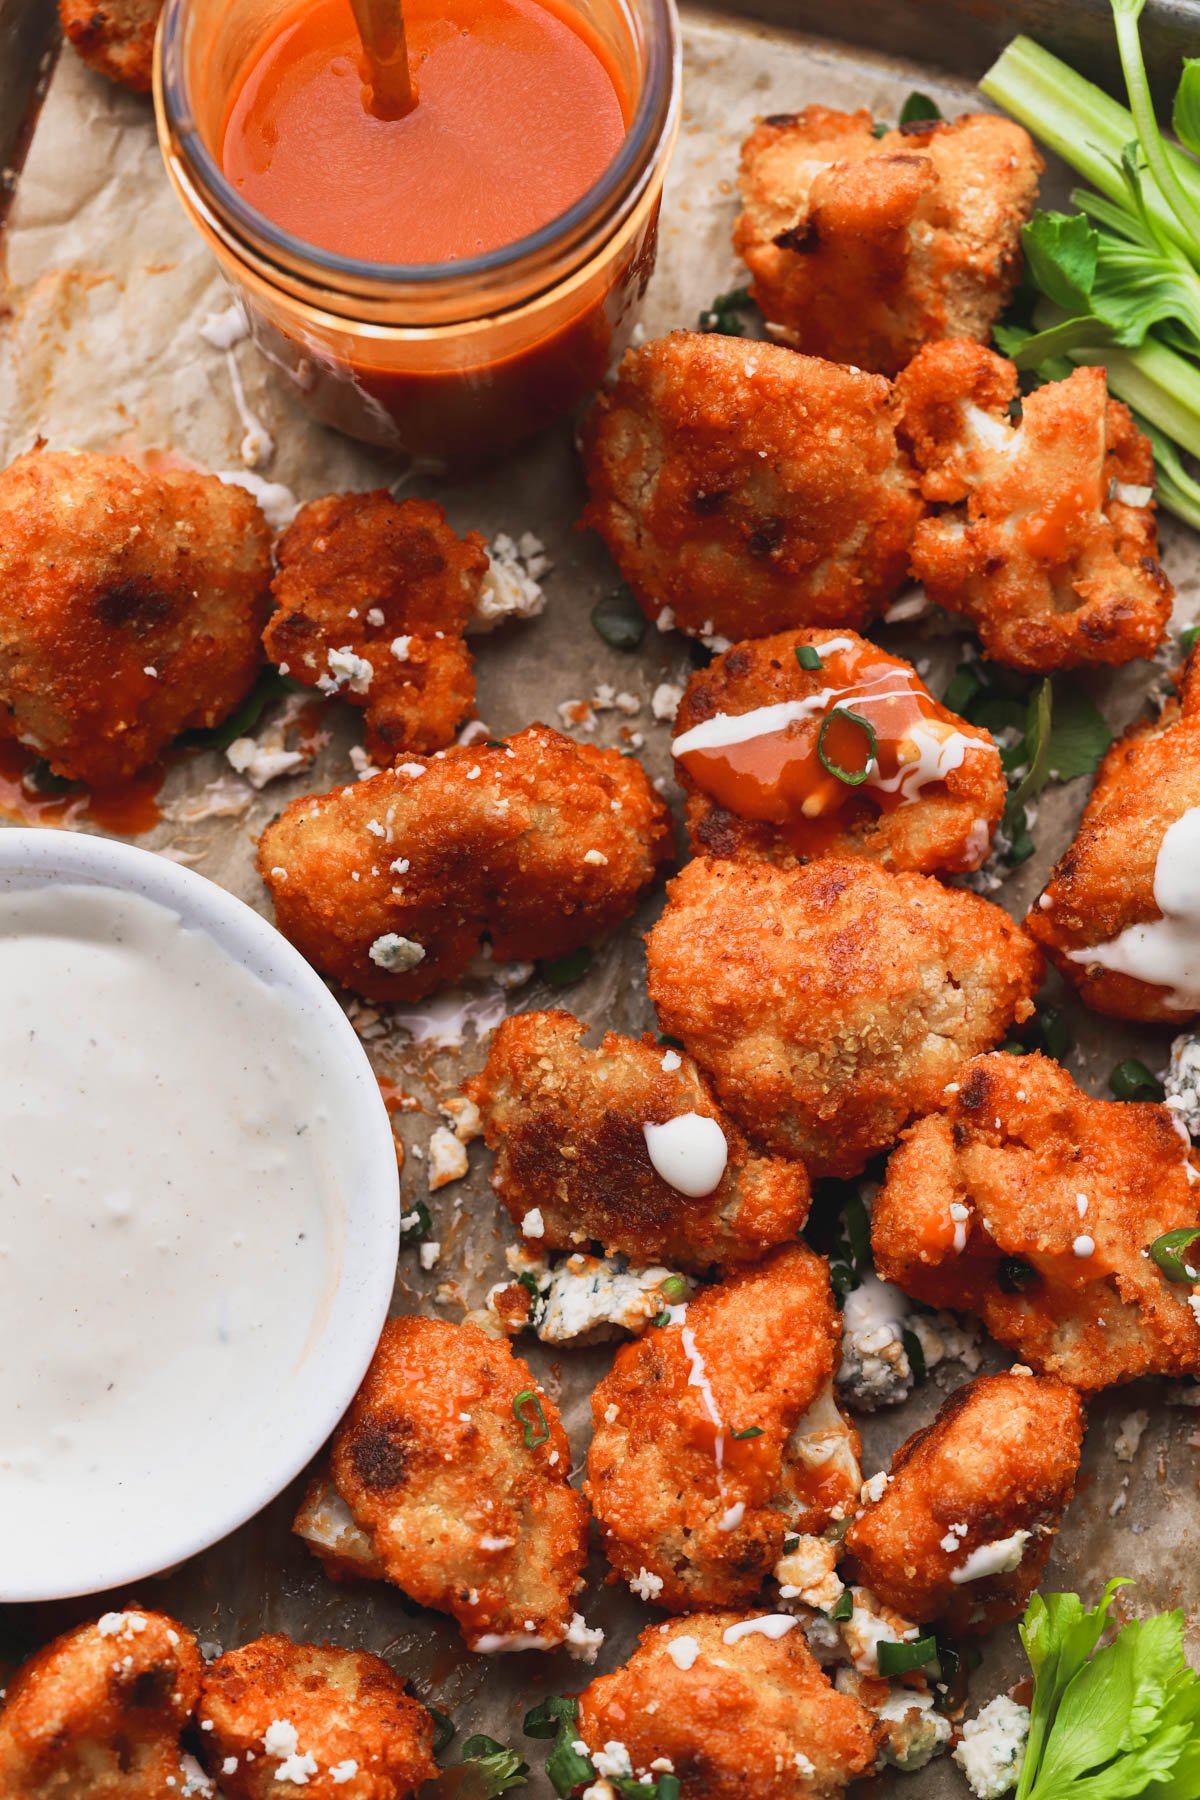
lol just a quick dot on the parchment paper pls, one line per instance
(107, 288)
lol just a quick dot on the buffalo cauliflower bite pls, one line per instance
(275, 1716)
(583, 1141)
(1119, 913)
(114, 37)
(1044, 533)
(130, 608)
(392, 884)
(372, 598)
(699, 1466)
(1024, 1201)
(731, 1705)
(452, 1467)
(863, 249)
(97, 1713)
(962, 1530)
(829, 1004)
(744, 489)
(757, 730)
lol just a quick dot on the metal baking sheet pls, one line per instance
(106, 288)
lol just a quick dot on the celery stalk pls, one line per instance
(1157, 382)
(1087, 128)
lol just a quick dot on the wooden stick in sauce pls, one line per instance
(381, 27)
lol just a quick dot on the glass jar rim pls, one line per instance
(613, 192)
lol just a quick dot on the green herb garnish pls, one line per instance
(1132, 1080)
(898, 1659)
(723, 315)
(674, 1289)
(566, 970)
(415, 1223)
(536, 1430)
(807, 657)
(842, 1608)
(544, 1719)
(751, 1431)
(619, 620)
(444, 1729)
(919, 107)
(790, 1543)
(1167, 1252)
(915, 1354)
(494, 1769)
(851, 777)
(557, 1717)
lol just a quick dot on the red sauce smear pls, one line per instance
(128, 809)
(519, 111)
(778, 777)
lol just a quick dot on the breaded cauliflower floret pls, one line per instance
(277, 1716)
(372, 599)
(130, 608)
(695, 1473)
(453, 1466)
(391, 885)
(744, 489)
(570, 1130)
(751, 733)
(829, 1004)
(733, 1710)
(1101, 919)
(863, 249)
(1044, 534)
(114, 37)
(96, 1715)
(964, 1526)
(1026, 1202)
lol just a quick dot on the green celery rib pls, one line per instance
(1174, 487)
(1085, 126)
(1156, 382)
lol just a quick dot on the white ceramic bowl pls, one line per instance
(346, 1330)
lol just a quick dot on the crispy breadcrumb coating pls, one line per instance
(745, 489)
(97, 1713)
(829, 1004)
(114, 37)
(372, 599)
(1104, 883)
(336, 1722)
(539, 845)
(1024, 1201)
(130, 608)
(568, 1128)
(963, 1529)
(695, 1473)
(932, 802)
(752, 1716)
(1045, 534)
(863, 249)
(453, 1465)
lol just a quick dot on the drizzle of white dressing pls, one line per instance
(698, 1378)
(998, 1558)
(732, 1517)
(1165, 952)
(165, 1259)
(724, 729)
(222, 330)
(443, 1020)
(277, 502)
(508, 1643)
(689, 1152)
(770, 1625)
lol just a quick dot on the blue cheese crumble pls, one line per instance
(993, 1747)
(1181, 1083)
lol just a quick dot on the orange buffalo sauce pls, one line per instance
(863, 713)
(518, 112)
(1051, 530)
(128, 809)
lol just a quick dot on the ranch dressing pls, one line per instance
(169, 1223)
(1165, 952)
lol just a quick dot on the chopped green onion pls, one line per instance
(722, 315)
(674, 1289)
(544, 1719)
(843, 1606)
(661, 1319)
(566, 970)
(851, 777)
(530, 1397)
(444, 1729)
(898, 1659)
(1166, 1251)
(751, 1431)
(565, 1767)
(619, 620)
(1049, 1029)
(915, 1354)
(1132, 1080)
(919, 107)
(790, 1543)
(415, 1223)
(1187, 639)
(807, 657)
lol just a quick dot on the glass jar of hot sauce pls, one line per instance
(451, 361)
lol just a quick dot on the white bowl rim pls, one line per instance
(222, 1500)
